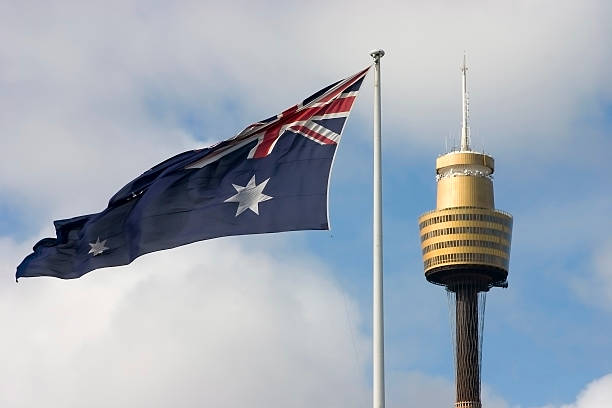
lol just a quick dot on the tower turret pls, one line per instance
(466, 248)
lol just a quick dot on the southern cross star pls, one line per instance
(249, 196)
(98, 247)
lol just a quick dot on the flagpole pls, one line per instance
(378, 357)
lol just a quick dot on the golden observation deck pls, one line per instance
(465, 234)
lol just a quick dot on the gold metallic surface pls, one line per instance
(465, 231)
(456, 158)
(465, 191)
(466, 235)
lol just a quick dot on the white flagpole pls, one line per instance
(378, 358)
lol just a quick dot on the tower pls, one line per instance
(466, 248)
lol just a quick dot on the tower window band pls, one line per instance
(466, 230)
(466, 217)
(466, 243)
(466, 257)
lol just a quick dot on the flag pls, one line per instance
(271, 177)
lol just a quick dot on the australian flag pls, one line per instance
(273, 176)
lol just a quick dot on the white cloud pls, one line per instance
(210, 323)
(82, 82)
(597, 394)
(205, 324)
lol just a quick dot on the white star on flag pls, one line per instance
(249, 196)
(97, 247)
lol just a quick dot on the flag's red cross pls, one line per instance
(302, 119)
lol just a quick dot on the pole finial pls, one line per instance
(377, 54)
(465, 129)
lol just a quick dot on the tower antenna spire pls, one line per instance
(465, 129)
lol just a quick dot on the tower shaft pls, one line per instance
(467, 365)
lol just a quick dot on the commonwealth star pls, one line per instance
(249, 196)
(98, 247)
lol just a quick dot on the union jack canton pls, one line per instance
(319, 118)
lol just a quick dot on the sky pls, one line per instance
(94, 93)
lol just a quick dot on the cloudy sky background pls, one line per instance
(91, 95)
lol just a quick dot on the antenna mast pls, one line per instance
(465, 130)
